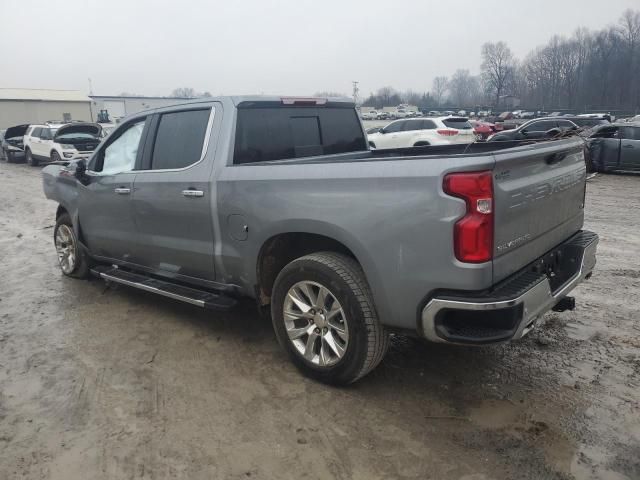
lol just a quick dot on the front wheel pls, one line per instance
(55, 157)
(31, 160)
(72, 260)
(323, 315)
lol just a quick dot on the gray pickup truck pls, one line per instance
(280, 200)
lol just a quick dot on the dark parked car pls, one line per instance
(535, 129)
(2, 155)
(615, 147)
(13, 142)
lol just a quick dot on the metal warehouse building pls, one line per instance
(20, 105)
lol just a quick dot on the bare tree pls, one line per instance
(630, 31)
(439, 89)
(184, 92)
(497, 65)
(464, 89)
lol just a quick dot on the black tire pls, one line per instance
(81, 269)
(55, 157)
(344, 278)
(31, 160)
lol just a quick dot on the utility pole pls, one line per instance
(90, 99)
(355, 91)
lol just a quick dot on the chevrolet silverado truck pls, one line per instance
(281, 200)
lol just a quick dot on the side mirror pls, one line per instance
(381, 130)
(81, 171)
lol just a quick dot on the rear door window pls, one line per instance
(411, 125)
(265, 133)
(179, 139)
(565, 124)
(457, 123)
(36, 132)
(541, 126)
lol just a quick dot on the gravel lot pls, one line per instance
(113, 383)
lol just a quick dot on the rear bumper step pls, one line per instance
(512, 308)
(193, 296)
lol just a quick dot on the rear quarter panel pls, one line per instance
(391, 214)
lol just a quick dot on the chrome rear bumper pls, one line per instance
(515, 305)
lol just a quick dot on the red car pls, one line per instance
(484, 129)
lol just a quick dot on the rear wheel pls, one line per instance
(72, 260)
(323, 315)
(31, 160)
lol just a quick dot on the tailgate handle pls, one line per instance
(555, 158)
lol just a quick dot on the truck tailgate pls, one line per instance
(539, 201)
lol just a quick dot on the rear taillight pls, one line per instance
(447, 132)
(473, 233)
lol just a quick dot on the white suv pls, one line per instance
(55, 142)
(418, 132)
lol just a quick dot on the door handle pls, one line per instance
(193, 193)
(122, 191)
(627, 146)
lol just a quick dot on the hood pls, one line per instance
(92, 129)
(17, 131)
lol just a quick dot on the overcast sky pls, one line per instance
(294, 47)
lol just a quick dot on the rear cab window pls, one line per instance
(267, 132)
(457, 123)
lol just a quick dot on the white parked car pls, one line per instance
(417, 132)
(55, 142)
(370, 115)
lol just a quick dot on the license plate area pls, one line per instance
(559, 265)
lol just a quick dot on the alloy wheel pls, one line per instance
(66, 248)
(316, 323)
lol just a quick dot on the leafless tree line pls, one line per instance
(589, 70)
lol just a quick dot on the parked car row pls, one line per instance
(52, 142)
(384, 115)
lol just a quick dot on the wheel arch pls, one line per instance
(282, 247)
(75, 220)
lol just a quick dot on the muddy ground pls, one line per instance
(113, 383)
